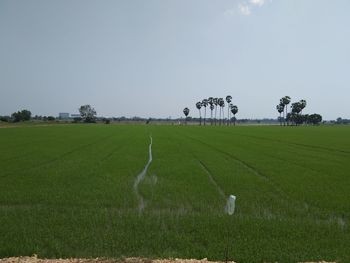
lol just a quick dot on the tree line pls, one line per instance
(213, 104)
(295, 116)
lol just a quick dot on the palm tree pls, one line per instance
(199, 106)
(234, 110)
(186, 112)
(215, 101)
(212, 108)
(228, 99)
(211, 103)
(285, 101)
(230, 107)
(205, 104)
(221, 103)
(280, 109)
(303, 105)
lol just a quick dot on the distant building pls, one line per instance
(75, 116)
(63, 115)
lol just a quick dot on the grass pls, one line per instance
(67, 191)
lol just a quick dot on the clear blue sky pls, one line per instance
(153, 58)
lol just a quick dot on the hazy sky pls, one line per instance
(152, 58)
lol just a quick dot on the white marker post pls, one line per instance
(230, 208)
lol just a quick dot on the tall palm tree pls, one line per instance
(211, 103)
(212, 108)
(230, 107)
(215, 101)
(221, 103)
(234, 110)
(228, 100)
(186, 112)
(280, 109)
(285, 101)
(303, 105)
(199, 106)
(205, 104)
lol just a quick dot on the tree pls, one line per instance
(5, 118)
(228, 100)
(303, 105)
(211, 109)
(199, 106)
(315, 119)
(215, 101)
(285, 101)
(234, 110)
(280, 109)
(211, 103)
(229, 116)
(221, 103)
(205, 104)
(296, 114)
(24, 115)
(87, 113)
(186, 111)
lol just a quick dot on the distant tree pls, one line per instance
(26, 115)
(228, 100)
(211, 109)
(280, 109)
(211, 106)
(285, 101)
(186, 111)
(5, 118)
(315, 119)
(234, 110)
(77, 119)
(221, 103)
(199, 106)
(205, 104)
(230, 111)
(302, 105)
(87, 113)
(216, 103)
(296, 115)
(23, 115)
(50, 118)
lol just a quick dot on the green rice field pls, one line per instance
(77, 191)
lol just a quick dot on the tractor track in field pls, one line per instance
(247, 166)
(57, 157)
(296, 144)
(338, 218)
(16, 157)
(139, 178)
(211, 179)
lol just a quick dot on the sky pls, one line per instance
(152, 58)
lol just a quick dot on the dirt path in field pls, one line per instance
(211, 179)
(141, 176)
(34, 259)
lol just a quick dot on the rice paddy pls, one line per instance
(69, 191)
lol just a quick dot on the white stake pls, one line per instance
(231, 204)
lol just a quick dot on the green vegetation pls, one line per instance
(213, 103)
(68, 191)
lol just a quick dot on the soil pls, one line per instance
(35, 259)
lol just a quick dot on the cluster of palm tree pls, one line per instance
(213, 104)
(296, 111)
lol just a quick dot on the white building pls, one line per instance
(63, 115)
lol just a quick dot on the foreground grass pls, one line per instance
(67, 191)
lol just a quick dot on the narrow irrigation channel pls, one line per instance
(211, 179)
(141, 176)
